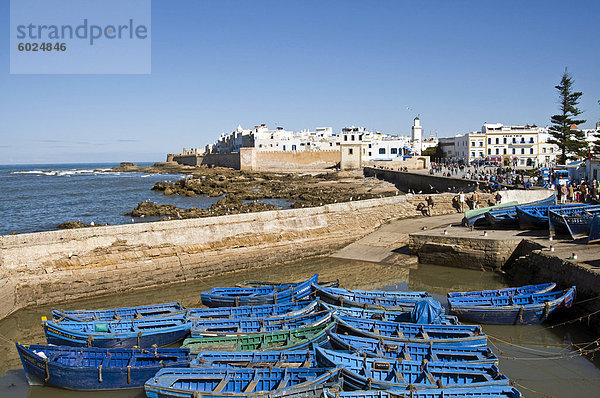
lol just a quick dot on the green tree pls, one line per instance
(571, 143)
(434, 152)
(596, 146)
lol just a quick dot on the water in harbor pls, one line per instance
(540, 358)
(39, 197)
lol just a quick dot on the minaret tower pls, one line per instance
(417, 135)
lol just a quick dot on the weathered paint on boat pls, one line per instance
(296, 339)
(382, 373)
(235, 296)
(117, 334)
(384, 348)
(83, 368)
(517, 310)
(227, 382)
(510, 291)
(464, 335)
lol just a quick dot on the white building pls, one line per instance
(515, 146)
(376, 145)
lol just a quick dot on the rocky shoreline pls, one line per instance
(246, 191)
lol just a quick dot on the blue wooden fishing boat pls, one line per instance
(140, 312)
(83, 368)
(594, 236)
(117, 334)
(254, 311)
(476, 217)
(511, 291)
(506, 217)
(382, 374)
(255, 359)
(464, 335)
(515, 310)
(474, 392)
(387, 315)
(235, 296)
(384, 348)
(294, 339)
(230, 327)
(374, 299)
(536, 217)
(575, 221)
(228, 382)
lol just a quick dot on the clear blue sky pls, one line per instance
(303, 64)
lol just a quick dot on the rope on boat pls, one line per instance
(541, 394)
(575, 353)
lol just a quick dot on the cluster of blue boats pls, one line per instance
(578, 220)
(291, 340)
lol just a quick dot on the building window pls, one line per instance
(480, 143)
(514, 151)
(551, 150)
(531, 140)
(345, 138)
(504, 140)
(472, 143)
(382, 151)
(489, 151)
(497, 140)
(522, 140)
(504, 151)
(360, 137)
(489, 141)
(369, 145)
(480, 154)
(350, 151)
(497, 151)
(531, 151)
(472, 154)
(544, 150)
(393, 151)
(514, 140)
(293, 147)
(369, 154)
(352, 137)
(522, 151)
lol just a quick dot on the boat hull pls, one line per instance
(526, 314)
(51, 373)
(160, 337)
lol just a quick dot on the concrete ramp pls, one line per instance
(389, 244)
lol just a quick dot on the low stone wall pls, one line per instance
(453, 251)
(57, 266)
(542, 266)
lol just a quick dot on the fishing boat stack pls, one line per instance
(290, 340)
(577, 221)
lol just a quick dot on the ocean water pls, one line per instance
(39, 197)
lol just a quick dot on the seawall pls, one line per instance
(57, 266)
(423, 182)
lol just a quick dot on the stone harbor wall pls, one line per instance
(57, 266)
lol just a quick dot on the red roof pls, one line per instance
(574, 127)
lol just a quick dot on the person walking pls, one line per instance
(461, 201)
(571, 192)
(563, 194)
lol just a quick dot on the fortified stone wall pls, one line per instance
(279, 160)
(231, 160)
(57, 266)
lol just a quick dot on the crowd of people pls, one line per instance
(584, 192)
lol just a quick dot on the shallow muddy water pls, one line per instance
(539, 358)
